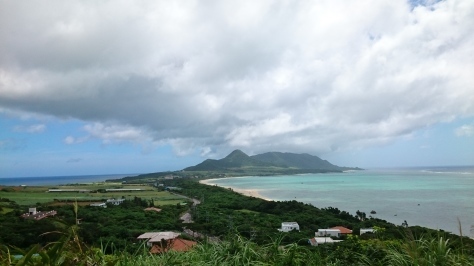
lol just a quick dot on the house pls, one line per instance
(288, 226)
(366, 230)
(176, 244)
(152, 209)
(329, 232)
(344, 231)
(315, 241)
(37, 215)
(164, 241)
(155, 237)
(115, 201)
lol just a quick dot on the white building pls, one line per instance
(115, 201)
(329, 232)
(32, 211)
(366, 230)
(288, 226)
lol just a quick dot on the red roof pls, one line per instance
(153, 209)
(177, 244)
(343, 229)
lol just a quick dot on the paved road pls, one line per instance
(186, 217)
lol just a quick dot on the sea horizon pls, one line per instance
(58, 179)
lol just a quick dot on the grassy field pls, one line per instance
(39, 194)
(5, 210)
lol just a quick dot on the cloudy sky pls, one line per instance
(99, 87)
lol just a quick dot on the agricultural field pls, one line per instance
(31, 195)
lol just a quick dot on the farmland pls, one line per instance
(95, 192)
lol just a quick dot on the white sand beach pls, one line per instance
(246, 192)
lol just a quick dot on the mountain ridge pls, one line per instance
(237, 160)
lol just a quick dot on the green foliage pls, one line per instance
(301, 161)
(427, 251)
(116, 224)
(237, 250)
(222, 209)
(246, 226)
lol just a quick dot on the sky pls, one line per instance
(119, 87)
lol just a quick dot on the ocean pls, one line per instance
(433, 197)
(58, 180)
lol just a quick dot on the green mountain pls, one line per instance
(268, 163)
(236, 159)
(293, 160)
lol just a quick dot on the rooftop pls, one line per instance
(176, 244)
(153, 209)
(343, 229)
(157, 236)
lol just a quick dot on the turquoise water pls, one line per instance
(430, 197)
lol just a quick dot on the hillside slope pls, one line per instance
(293, 160)
(268, 163)
(236, 159)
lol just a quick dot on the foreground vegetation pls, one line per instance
(236, 250)
(246, 228)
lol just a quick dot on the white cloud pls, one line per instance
(70, 140)
(116, 133)
(465, 130)
(273, 75)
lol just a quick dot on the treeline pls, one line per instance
(222, 209)
(117, 225)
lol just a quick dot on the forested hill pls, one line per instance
(236, 159)
(268, 162)
(301, 161)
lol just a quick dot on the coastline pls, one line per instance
(246, 192)
(418, 197)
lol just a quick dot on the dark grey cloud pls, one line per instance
(301, 76)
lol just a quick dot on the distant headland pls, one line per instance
(237, 163)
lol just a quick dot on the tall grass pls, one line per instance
(427, 251)
(236, 250)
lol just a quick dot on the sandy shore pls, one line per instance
(246, 192)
